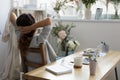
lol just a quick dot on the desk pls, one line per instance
(104, 66)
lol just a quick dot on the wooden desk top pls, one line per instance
(104, 66)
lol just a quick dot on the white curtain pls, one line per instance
(10, 68)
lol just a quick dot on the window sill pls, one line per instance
(78, 19)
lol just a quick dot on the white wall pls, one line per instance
(4, 7)
(91, 33)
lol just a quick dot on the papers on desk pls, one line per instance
(59, 69)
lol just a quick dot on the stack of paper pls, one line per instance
(58, 69)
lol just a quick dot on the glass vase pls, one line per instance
(57, 15)
(64, 53)
(115, 16)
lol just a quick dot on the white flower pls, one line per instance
(62, 34)
(59, 40)
(71, 44)
(77, 43)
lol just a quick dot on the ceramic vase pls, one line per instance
(92, 65)
(88, 13)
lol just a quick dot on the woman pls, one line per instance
(28, 40)
(27, 20)
(11, 67)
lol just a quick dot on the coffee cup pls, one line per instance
(78, 62)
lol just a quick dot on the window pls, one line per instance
(70, 10)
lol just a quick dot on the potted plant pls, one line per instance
(58, 5)
(116, 3)
(88, 4)
(65, 42)
(92, 61)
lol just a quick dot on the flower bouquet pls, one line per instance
(65, 42)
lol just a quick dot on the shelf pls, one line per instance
(78, 19)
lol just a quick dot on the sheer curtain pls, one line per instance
(4, 46)
(3, 18)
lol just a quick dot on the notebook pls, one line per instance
(59, 69)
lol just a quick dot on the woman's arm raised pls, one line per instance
(44, 22)
(13, 18)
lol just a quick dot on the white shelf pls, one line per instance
(78, 19)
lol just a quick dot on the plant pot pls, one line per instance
(87, 14)
(92, 65)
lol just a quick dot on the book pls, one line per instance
(59, 69)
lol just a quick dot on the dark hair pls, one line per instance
(25, 39)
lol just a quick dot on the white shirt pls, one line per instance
(40, 38)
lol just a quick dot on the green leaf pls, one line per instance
(88, 3)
